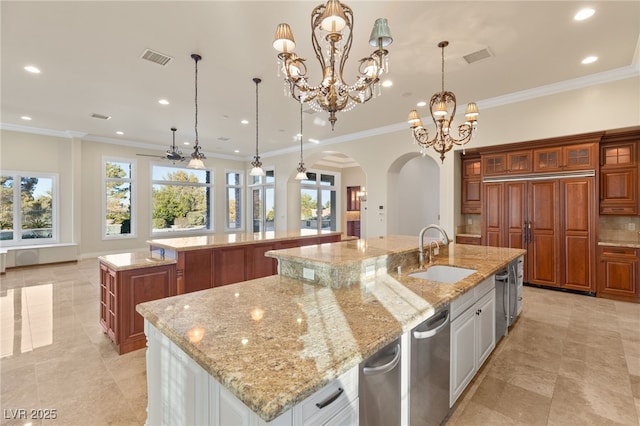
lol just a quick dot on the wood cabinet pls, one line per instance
(201, 269)
(565, 158)
(353, 228)
(121, 291)
(468, 239)
(353, 198)
(473, 335)
(516, 162)
(554, 220)
(618, 271)
(471, 186)
(619, 178)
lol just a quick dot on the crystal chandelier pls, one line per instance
(443, 110)
(256, 164)
(196, 156)
(331, 37)
(302, 171)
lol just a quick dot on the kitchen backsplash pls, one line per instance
(620, 228)
(472, 225)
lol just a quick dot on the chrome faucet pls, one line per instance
(445, 241)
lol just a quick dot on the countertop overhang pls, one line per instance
(274, 341)
(231, 239)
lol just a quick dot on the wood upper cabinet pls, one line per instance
(516, 162)
(618, 178)
(471, 186)
(353, 198)
(565, 158)
(618, 270)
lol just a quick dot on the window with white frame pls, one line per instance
(181, 199)
(234, 200)
(318, 201)
(118, 176)
(28, 208)
(262, 196)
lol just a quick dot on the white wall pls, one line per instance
(600, 107)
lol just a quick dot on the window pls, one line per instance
(28, 211)
(181, 199)
(233, 216)
(118, 178)
(262, 191)
(318, 206)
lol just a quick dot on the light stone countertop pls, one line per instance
(622, 243)
(231, 239)
(274, 341)
(134, 260)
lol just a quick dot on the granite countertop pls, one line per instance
(135, 260)
(274, 341)
(237, 238)
(611, 243)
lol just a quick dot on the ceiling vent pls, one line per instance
(223, 139)
(100, 116)
(156, 57)
(478, 56)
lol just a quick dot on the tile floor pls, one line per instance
(568, 360)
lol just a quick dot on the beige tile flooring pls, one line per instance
(568, 360)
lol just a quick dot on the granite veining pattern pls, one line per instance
(134, 260)
(274, 341)
(231, 239)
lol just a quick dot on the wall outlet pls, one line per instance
(308, 274)
(631, 226)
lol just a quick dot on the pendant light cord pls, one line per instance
(257, 81)
(196, 99)
(301, 133)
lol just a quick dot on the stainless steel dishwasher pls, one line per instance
(429, 375)
(379, 387)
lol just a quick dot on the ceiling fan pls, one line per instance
(173, 154)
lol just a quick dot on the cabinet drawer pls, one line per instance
(628, 210)
(617, 251)
(462, 303)
(313, 410)
(484, 287)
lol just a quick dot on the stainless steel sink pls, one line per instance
(444, 273)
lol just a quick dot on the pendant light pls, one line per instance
(302, 172)
(256, 164)
(196, 156)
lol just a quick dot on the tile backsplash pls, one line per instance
(472, 225)
(620, 228)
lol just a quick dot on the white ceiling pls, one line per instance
(89, 54)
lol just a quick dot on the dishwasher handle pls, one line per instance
(382, 369)
(430, 333)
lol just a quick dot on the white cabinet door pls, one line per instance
(486, 327)
(463, 353)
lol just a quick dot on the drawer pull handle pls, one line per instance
(330, 399)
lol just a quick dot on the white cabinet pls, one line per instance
(180, 392)
(473, 335)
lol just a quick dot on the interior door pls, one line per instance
(544, 233)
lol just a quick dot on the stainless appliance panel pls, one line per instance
(429, 376)
(379, 387)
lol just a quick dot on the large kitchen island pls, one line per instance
(280, 349)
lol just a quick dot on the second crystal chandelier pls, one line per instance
(331, 36)
(443, 109)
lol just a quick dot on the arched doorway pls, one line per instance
(413, 194)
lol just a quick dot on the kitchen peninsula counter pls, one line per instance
(274, 341)
(214, 260)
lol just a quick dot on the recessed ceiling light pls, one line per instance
(163, 102)
(387, 83)
(421, 104)
(245, 121)
(32, 69)
(26, 118)
(583, 14)
(187, 143)
(589, 59)
(314, 140)
(236, 151)
(119, 133)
